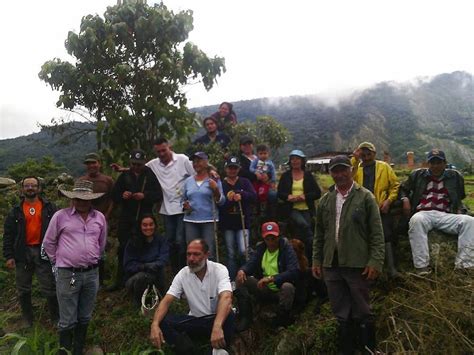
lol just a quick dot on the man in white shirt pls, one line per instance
(171, 170)
(207, 288)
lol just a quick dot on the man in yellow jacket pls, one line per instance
(378, 177)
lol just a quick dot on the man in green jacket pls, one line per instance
(348, 251)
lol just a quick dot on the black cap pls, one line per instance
(436, 154)
(137, 156)
(91, 158)
(200, 155)
(340, 160)
(232, 161)
(246, 140)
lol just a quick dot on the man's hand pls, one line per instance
(186, 206)
(138, 196)
(356, 153)
(263, 282)
(10, 263)
(127, 195)
(156, 336)
(241, 277)
(385, 206)
(217, 337)
(237, 197)
(371, 273)
(230, 195)
(406, 207)
(316, 271)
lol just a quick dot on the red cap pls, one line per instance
(270, 228)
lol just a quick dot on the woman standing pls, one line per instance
(145, 259)
(235, 215)
(201, 194)
(298, 190)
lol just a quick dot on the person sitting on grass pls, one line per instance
(145, 259)
(208, 291)
(270, 275)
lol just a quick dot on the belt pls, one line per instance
(80, 269)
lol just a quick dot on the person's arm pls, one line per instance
(248, 192)
(152, 190)
(103, 234)
(394, 185)
(156, 336)
(224, 307)
(118, 189)
(163, 254)
(272, 171)
(10, 229)
(50, 241)
(283, 189)
(318, 241)
(313, 192)
(406, 191)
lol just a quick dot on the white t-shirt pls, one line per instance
(202, 295)
(171, 178)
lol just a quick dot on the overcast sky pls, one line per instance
(272, 48)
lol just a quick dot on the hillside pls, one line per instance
(397, 117)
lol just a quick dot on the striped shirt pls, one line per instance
(435, 197)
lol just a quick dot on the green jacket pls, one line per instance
(416, 183)
(361, 241)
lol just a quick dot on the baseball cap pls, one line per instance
(436, 153)
(270, 228)
(297, 153)
(200, 155)
(137, 156)
(232, 161)
(91, 158)
(367, 145)
(340, 160)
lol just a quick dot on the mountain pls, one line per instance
(397, 117)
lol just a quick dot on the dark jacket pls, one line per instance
(229, 217)
(310, 188)
(416, 183)
(14, 230)
(245, 168)
(360, 242)
(148, 257)
(288, 270)
(146, 182)
(221, 138)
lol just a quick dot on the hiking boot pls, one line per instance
(26, 310)
(65, 341)
(423, 271)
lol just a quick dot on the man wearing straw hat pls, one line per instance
(136, 191)
(74, 242)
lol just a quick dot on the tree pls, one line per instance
(129, 73)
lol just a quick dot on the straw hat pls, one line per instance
(82, 190)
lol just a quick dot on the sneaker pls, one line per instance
(423, 271)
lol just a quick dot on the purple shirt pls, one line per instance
(72, 242)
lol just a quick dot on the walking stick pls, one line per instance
(140, 202)
(244, 231)
(215, 227)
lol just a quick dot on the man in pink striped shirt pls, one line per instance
(74, 242)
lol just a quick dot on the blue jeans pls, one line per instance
(76, 303)
(202, 231)
(174, 232)
(235, 243)
(172, 325)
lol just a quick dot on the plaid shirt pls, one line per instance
(435, 196)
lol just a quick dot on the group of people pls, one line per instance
(345, 241)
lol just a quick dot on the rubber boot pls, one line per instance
(245, 315)
(26, 309)
(65, 341)
(80, 333)
(390, 261)
(53, 309)
(346, 338)
(367, 337)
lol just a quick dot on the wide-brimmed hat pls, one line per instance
(82, 190)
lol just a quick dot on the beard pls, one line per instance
(196, 268)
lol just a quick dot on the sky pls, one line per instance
(272, 48)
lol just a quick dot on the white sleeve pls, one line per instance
(223, 280)
(176, 288)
